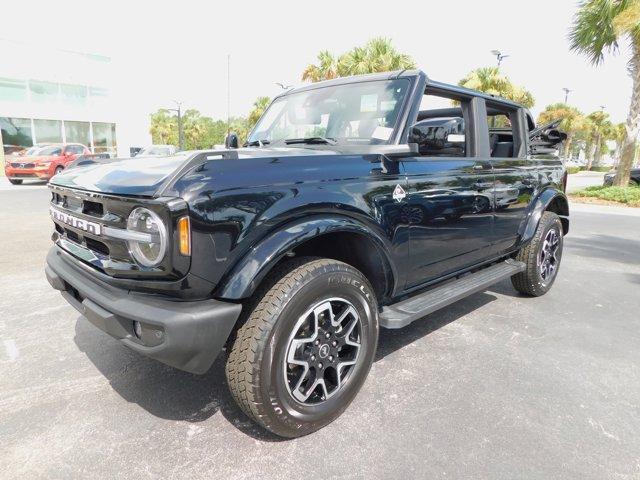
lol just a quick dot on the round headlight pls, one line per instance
(151, 251)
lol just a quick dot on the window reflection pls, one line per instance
(15, 132)
(48, 131)
(77, 132)
(13, 90)
(43, 92)
(104, 138)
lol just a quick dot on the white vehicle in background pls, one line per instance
(157, 151)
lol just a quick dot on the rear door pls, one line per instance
(448, 190)
(515, 176)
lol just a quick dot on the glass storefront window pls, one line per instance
(16, 132)
(13, 90)
(48, 131)
(77, 132)
(104, 138)
(43, 92)
(73, 94)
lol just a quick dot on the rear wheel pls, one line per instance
(59, 169)
(541, 256)
(306, 346)
(15, 181)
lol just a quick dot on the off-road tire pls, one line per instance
(13, 181)
(255, 368)
(529, 282)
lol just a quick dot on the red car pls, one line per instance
(43, 163)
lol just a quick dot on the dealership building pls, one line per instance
(55, 96)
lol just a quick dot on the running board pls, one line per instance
(403, 313)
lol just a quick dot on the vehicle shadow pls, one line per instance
(607, 247)
(172, 394)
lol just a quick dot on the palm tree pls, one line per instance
(259, 106)
(598, 27)
(325, 70)
(619, 133)
(572, 122)
(601, 130)
(491, 81)
(378, 55)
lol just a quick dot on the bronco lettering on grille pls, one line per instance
(76, 222)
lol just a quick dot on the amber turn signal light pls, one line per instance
(184, 234)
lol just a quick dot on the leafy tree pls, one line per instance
(572, 122)
(259, 106)
(491, 81)
(598, 27)
(200, 132)
(164, 128)
(377, 55)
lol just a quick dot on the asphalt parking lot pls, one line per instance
(495, 386)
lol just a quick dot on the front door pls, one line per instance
(450, 215)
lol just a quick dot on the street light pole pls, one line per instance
(566, 94)
(499, 56)
(180, 132)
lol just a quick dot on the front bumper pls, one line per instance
(185, 335)
(608, 180)
(26, 173)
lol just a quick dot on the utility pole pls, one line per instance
(499, 56)
(228, 93)
(180, 132)
(566, 94)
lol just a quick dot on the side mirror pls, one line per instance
(231, 141)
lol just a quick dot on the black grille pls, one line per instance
(96, 246)
(22, 165)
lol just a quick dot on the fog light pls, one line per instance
(137, 329)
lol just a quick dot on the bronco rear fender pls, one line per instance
(550, 199)
(247, 274)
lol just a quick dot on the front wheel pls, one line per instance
(59, 169)
(541, 256)
(306, 346)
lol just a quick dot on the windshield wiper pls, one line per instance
(311, 140)
(257, 143)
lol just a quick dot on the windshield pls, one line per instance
(159, 151)
(50, 151)
(362, 113)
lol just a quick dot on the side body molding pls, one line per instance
(256, 264)
(548, 197)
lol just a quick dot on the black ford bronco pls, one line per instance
(356, 203)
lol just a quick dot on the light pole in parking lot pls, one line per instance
(566, 94)
(499, 56)
(179, 112)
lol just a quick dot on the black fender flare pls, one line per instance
(542, 203)
(247, 274)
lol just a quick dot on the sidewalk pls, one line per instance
(575, 207)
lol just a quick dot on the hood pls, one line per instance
(143, 176)
(38, 158)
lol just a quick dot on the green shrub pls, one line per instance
(572, 170)
(627, 195)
